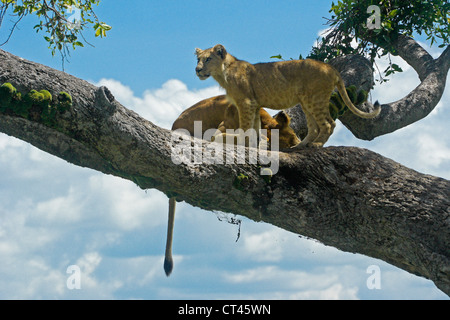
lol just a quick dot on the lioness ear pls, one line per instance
(282, 118)
(220, 51)
(198, 51)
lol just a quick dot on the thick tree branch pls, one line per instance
(415, 55)
(349, 198)
(414, 106)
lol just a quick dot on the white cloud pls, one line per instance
(398, 85)
(335, 292)
(65, 209)
(161, 106)
(126, 205)
(316, 284)
(89, 262)
(432, 150)
(7, 141)
(272, 244)
(262, 247)
(136, 272)
(18, 235)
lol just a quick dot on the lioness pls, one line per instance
(218, 112)
(278, 85)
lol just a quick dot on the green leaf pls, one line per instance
(106, 27)
(393, 13)
(396, 67)
(277, 57)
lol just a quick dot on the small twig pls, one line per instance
(56, 12)
(12, 30)
(82, 35)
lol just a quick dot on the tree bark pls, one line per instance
(414, 106)
(349, 198)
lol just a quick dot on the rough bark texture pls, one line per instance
(349, 198)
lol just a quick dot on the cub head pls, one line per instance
(287, 136)
(210, 61)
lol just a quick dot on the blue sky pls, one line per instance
(54, 215)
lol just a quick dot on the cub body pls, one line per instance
(278, 85)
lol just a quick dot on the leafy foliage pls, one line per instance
(350, 31)
(61, 20)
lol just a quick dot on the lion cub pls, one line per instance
(278, 85)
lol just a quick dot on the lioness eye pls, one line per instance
(207, 59)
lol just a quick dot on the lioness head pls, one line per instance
(210, 61)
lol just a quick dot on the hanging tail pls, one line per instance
(168, 261)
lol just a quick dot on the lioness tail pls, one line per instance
(168, 261)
